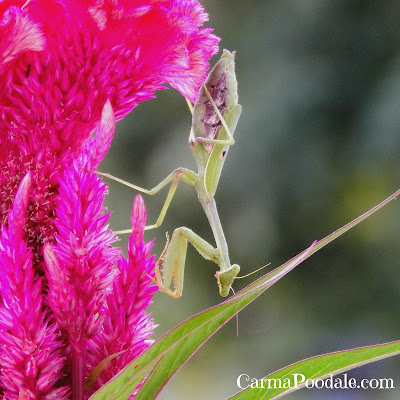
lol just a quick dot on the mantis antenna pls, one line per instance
(214, 118)
(253, 272)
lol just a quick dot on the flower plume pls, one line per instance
(127, 327)
(69, 70)
(74, 57)
(30, 358)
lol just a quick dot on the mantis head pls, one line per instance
(226, 278)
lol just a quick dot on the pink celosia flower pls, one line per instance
(60, 61)
(80, 265)
(68, 67)
(127, 326)
(30, 357)
(80, 268)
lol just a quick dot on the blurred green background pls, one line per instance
(317, 145)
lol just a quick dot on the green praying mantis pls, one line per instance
(214, 118)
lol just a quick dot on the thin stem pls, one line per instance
(78, 364)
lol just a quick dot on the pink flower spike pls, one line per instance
(80, 265)
(30, 357)
(127, 327)
(138, 222)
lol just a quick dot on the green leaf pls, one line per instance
(161, 361)
(318, 367)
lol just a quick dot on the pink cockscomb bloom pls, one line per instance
(30, 348)
(69, 69)
(61, 61)
(127, 327)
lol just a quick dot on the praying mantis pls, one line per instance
(214, 118)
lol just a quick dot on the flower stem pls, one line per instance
(78, 364)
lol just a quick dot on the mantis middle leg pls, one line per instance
(175, 176)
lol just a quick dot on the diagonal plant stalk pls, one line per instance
(334, 235)
(168, 354)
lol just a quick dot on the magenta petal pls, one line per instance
(17, 215)
(19, 33)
